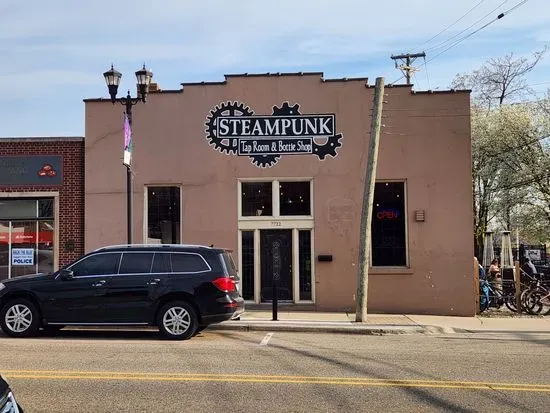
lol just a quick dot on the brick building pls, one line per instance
(41, 204)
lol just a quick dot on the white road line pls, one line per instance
(266, 339)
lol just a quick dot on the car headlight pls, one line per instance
(2, 286)
(8, 404)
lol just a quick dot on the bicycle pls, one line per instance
(538, 299)
(489, 296)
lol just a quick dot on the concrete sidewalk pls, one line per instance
(377, 324)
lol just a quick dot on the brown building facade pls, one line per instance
(41, 204)
(272, 166)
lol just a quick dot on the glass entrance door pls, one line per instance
(276, 264)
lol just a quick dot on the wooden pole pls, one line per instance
(368, 199)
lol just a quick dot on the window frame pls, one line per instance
(406, 218)
(146, 187)
(275, 199)
(118, 274)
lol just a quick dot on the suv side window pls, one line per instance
(97, 264)
(161, 263)
(136, 263)
(184, 262)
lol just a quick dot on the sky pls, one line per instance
(54, 52)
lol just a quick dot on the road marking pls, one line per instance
(262, 379)
(266, 339)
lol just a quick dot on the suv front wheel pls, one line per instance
(20, 318)
(177, 320)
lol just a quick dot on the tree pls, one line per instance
(500, 80)
(504, 139)
(496, 136)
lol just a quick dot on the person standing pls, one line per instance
(494, 277)
(529, 267)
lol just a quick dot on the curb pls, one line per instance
(316, 328)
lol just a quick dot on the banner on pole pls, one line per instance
(127, 142)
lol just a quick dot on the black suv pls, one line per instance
(181, 289)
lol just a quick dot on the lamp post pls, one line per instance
(112, 78)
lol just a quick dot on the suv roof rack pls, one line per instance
(108, 247)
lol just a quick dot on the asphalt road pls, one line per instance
(217, 371)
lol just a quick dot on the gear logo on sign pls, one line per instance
(233, 128)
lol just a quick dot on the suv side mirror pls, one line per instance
(66, 274)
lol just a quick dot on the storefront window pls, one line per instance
(256, 199)
(45, 208)
(388, 225)
(18, 208)
(4, 249)
(295, 198)
(23, 246)
(163, 215)
(45, 258)
(27, 231)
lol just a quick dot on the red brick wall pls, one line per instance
(71, 194)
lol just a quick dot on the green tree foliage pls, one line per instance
(510, 157)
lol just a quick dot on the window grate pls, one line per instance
(247, 250)
(304, 259)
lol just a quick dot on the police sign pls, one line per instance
(22, 256)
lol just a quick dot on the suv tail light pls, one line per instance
(225, 284)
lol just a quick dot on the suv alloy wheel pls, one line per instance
(20, 318)
(177, 320)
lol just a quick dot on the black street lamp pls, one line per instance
(112, 78)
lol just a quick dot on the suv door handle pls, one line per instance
(99, 283)
(154, 281)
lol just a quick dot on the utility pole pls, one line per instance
(368, 199)
(407, 60)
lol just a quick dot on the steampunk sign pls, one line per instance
(233, 128)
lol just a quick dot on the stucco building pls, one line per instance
(258, 160)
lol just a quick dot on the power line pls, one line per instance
(448, 27)
(467, 28)
(427, 76)
(500, 16)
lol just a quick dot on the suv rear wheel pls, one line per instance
(20, 318)
(177, 320)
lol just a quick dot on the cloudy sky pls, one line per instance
(54, 52)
